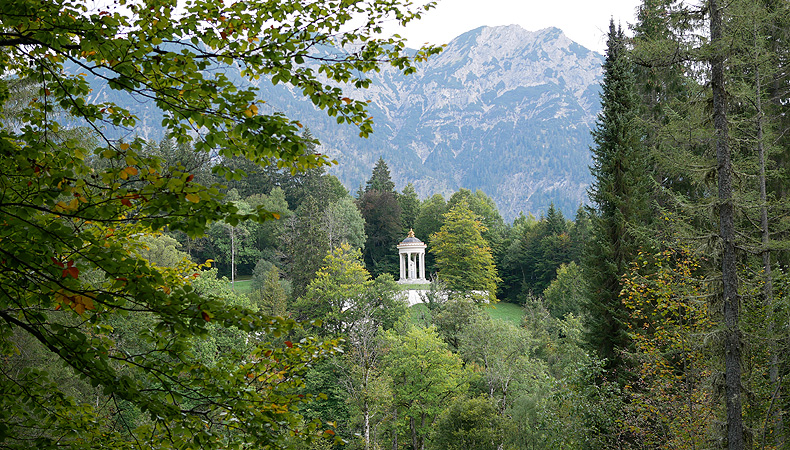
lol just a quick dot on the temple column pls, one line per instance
(411, 252)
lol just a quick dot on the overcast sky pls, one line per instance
(584, 21)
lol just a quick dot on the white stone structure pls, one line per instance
(412, 260)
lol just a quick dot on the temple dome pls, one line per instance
(410, 239)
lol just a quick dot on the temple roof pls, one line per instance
(410, 239)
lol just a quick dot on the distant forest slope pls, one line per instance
(502, 109)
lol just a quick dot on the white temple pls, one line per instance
(412, 260)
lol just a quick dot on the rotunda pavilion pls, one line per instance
(412, 260)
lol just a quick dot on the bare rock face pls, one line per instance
(502, 109)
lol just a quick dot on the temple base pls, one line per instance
(413, 281)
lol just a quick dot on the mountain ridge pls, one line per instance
(493, 101)
(501, 109)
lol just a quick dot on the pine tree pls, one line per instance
(380, 179)
(410, 207)
(382, 213)
(307, 244)
(619, 195)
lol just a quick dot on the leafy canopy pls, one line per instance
(75, 202)
(463, 255)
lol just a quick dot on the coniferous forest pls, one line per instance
(219, 289)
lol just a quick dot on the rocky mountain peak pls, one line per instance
(501, 109)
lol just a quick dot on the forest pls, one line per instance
(219, 289)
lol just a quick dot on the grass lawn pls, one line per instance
(416, 287)
(502, 311)
(243, 285)
(507, 311)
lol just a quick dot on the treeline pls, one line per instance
(687, 255)
(444, 376)
(317, 214)
(656, 319)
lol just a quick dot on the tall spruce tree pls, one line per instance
(619, 195)
(729, 271)
(306, 246)
(382, 213)
(380, 179)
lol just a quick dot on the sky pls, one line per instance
(584, 21)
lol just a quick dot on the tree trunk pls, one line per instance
(395, 429)
(732, 340)
(413, 426)
(232, 258)
(768, 286)
(366, 418)
(422, 427)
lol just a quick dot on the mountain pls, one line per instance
(501, 109)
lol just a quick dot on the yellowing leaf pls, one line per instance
(192, 197)
(85, 301)
(124, 146)
(127, 172)
(276, 216)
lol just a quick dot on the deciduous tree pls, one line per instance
(71, 207)
(342, 295)
(462, 255)
(426, 376)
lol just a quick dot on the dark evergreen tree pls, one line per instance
(554, 248)
(535, 250)
(380, 179)
(580, 233)
(410, 207)
(382, 213)
(555, 221)
(619, 196)
(429, 220)
(307, 244)
(509, 263)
